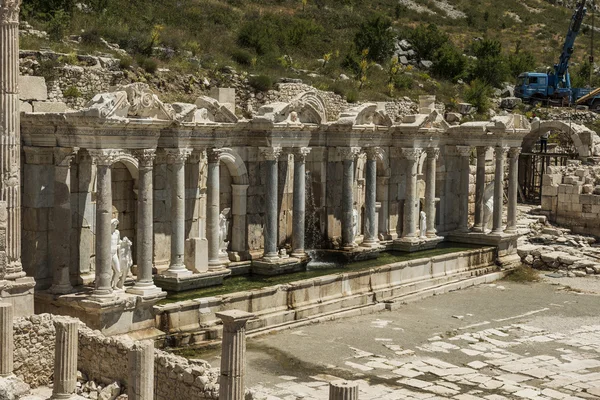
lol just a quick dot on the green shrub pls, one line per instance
(150, 65)
(403, 82)
(478, 94)
(376, 36)
(91, 37)
(491, 66)
(242, 57)
(125, 62)
(352, 96)
(72, 92)
(426, 40)
(57, 25)
(261, 83)
(449, 63)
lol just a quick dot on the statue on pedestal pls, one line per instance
(121, 256)
(224, 231)
(423, 224)
(125, 260)
(355, 222)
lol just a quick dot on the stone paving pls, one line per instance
(501, 358)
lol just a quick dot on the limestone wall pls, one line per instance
(571, 197)
(104, 359)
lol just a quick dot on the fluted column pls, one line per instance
(233, 354)
(513, 187)
(299, 211)
(6, 339)
(343, 390)
(411, 204)
(144, 284)
(432, 156)
(10, 136)
(500, 153)
(371, 238)
(141, 371)
(177, 157)
(271, 155)
(479, 188)
(65, 359)
(60, 238)
(348, 155)
(464, 154)
(213, 210)
(104, 160)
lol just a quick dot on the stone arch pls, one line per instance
(311, 108)
(585, 140)
(239, 188)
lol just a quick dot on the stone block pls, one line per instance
(225, 96)
(196, 255)
(33, 88)
(549, 190)
(547, 203)
(49, 107)
(25, 107)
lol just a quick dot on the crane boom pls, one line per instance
(562, 68)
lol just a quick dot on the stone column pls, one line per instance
(177, 157)
(299, 208)
(6, 339)
(141, 371)
(480, 188)
(10, 143)
(343, 390)
(411, 204)
(233, 354)
(432, 156)
(60, 236)
(271, 155)
(213, 209)
(144, 284)
(104, 160)
(464, 154)
(348, 155)
(513, 188)
(65, 359)
(371, 235)
(239, 195)
(500, 153)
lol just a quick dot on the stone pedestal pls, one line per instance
(464, 154)
(479, 189)
(500, 153)
(233, 354)
(371, 235)
(348, 155)
(513, 187)
(343, 390)
(411, 203)
(177, 157)
(144, 285)
(141, 371)
(65, 359)
(6, 339)
(299, 211)
(271, 155)
(432, 156)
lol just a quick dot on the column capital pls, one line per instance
(271, 153)
(348, 153)
(300, 153)
(482, 150)
(372, 153)
(234, 317)
(214, 155)
(145, 157)
(63, 156)
(500, 151)
(39, 155)
(412, 153)
(105, 157)
(433, 152)
(514, 152)
(9, 11)
(463, 151)
(178, 155)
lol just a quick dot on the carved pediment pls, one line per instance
(435, 120)
(210, 110)
(307, 108)
(365, 114)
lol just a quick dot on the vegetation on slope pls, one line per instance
(321, 39)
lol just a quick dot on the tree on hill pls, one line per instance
(376, 36)
(427, 40)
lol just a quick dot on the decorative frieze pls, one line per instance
(178, 156)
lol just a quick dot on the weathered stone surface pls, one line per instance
(33, 88)
(49, 107)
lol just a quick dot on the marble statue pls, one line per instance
(115, 241)
(488, 206)
(125, 260)
(423, 224)
(224, 230)
(354, 222)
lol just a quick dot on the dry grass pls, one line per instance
(523, 274)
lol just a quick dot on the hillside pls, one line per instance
(182, 47)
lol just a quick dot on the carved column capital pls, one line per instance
(412, 153)
(463, 151)
(372, 153)
(105, 157)
(271, 153)
(433, 152)
(178, 155)
(9, 12)
(300, 153)
(500, 151)
(482, 150)
(38, 155)
(348, 153)
(213, 155)
(145, 157)
(63, 156)
(514, 152)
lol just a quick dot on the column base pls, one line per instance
(299, 254)
(412, 244)
(191, 281)
(370, 243)
(278, 266)
(431, 234)
(177, 271)
(477, 228)
(150, 290)
(103, 295)
(61, 289)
